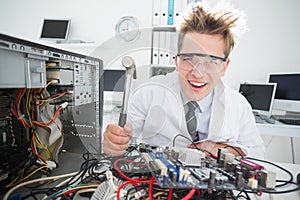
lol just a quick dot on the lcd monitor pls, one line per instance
(287, 95)
(259, 95)
(55, 29)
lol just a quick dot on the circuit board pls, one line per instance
(190, 168)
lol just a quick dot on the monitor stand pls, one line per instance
(261, 118)
(70, 41)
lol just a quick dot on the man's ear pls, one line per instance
(225, 67)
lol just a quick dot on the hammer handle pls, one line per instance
(122, 119)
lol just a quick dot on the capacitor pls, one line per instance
(207, 164)
(186, 176)
(212, 179)
(219, 155)
(221, 163)
(177, 166)
(173, 175)
(229, 167)
(166, 180)
(175, 154)
(238, 168)
(239, 179)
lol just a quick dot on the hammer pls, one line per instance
(130, 74)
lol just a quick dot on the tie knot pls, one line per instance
(192, 106)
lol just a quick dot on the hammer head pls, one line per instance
(129, 64)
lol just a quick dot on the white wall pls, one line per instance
(92, 20)
(271, 44)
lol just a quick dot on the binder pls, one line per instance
(170, 12)
(161, 50)
(163, 12)
(156, 12)
(167, 47)
(173, 47)
(177, 11)
(155, 46)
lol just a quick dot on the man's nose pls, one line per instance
(198, 68)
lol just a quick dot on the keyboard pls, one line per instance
(259, 120)
(290, 121)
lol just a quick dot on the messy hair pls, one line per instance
(222, 20)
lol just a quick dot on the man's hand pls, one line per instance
(212, 148)
(116, 139)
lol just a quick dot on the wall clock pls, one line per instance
(128, 28)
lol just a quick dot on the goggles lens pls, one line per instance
(205, 62)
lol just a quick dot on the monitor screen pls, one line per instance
(260, 96)
(55, 29)
(114, 80)
(287, 95)
(288, 86)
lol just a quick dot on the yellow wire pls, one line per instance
(29, 175)
(27, 105)
(35, 149)
(42, 145)
(23, 91)
(52, 99)
(15, 179)
(50, 82)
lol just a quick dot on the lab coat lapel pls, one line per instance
(177, 88)
(217, 113)
(182, 128)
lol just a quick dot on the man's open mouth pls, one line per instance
(197, 84)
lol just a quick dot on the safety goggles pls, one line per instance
(204, 62)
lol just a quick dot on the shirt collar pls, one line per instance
(204, 104)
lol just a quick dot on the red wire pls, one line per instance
(198, 192)
(69, 192)
(259, 193)
(150, 187)
(189, 195)
(137, 180)
(51, 120)
(122, 185)
(170, 194)
(19, 95)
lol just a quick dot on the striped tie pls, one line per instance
(191, 120)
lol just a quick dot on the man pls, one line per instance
(159, 110)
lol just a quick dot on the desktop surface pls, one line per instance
(284, 119)
(278, 129)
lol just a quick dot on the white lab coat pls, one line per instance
(157, 114)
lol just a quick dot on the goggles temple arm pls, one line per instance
(203, 55)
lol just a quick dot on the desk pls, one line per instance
(283, 130)
(294, 169)
(279, 129)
